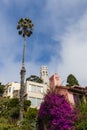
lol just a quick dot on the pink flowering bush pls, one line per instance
(56, 113)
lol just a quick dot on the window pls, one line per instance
(9, 89)
(29, 88)
(43, 73)
(78, 98)
(75, 99)
(38, 89)
(39, 100)
(33, 88)
(13, 88)
(41, 90)
(33, 101)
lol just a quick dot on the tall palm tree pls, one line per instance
(25, 28)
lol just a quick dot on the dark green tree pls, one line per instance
(1, 89)
(14, 102)
(35, 79)
(27, 104)
(71, 80)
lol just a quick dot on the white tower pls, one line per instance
(44, 74)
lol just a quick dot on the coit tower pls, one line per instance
(44, 74)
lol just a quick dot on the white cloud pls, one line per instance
(57, 15)
(68, 17)
(74, 51)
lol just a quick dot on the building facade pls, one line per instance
(34, 92)
(10, 89)
(73, 94)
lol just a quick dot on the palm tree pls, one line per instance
(25, 28)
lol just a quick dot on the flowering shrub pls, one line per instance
(56, 113)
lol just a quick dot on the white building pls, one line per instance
(10, 88)
(34, 92)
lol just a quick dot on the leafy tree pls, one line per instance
(14, 102)
(35, 79)
(71, 80)
(27, 104)
(1, 89)
(55, 113)
(9, 108)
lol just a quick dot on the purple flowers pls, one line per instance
(56, 113)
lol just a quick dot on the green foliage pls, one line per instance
(25, 27)
(1, 89)
(13, 108)
(5, 125)
(81, 123)
(14, 112)
(71, 80)
(24, 125)
(27, 104)
(14, 102)
(9, 108)
(31, 116)
(3, 107)
(31, 113)
(9, 113)
(3, 120)
(35, 79)
(29, 121)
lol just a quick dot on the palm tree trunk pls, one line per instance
(22, 84)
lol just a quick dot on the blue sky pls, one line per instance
(59, 38)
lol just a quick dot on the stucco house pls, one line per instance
(73, 94)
